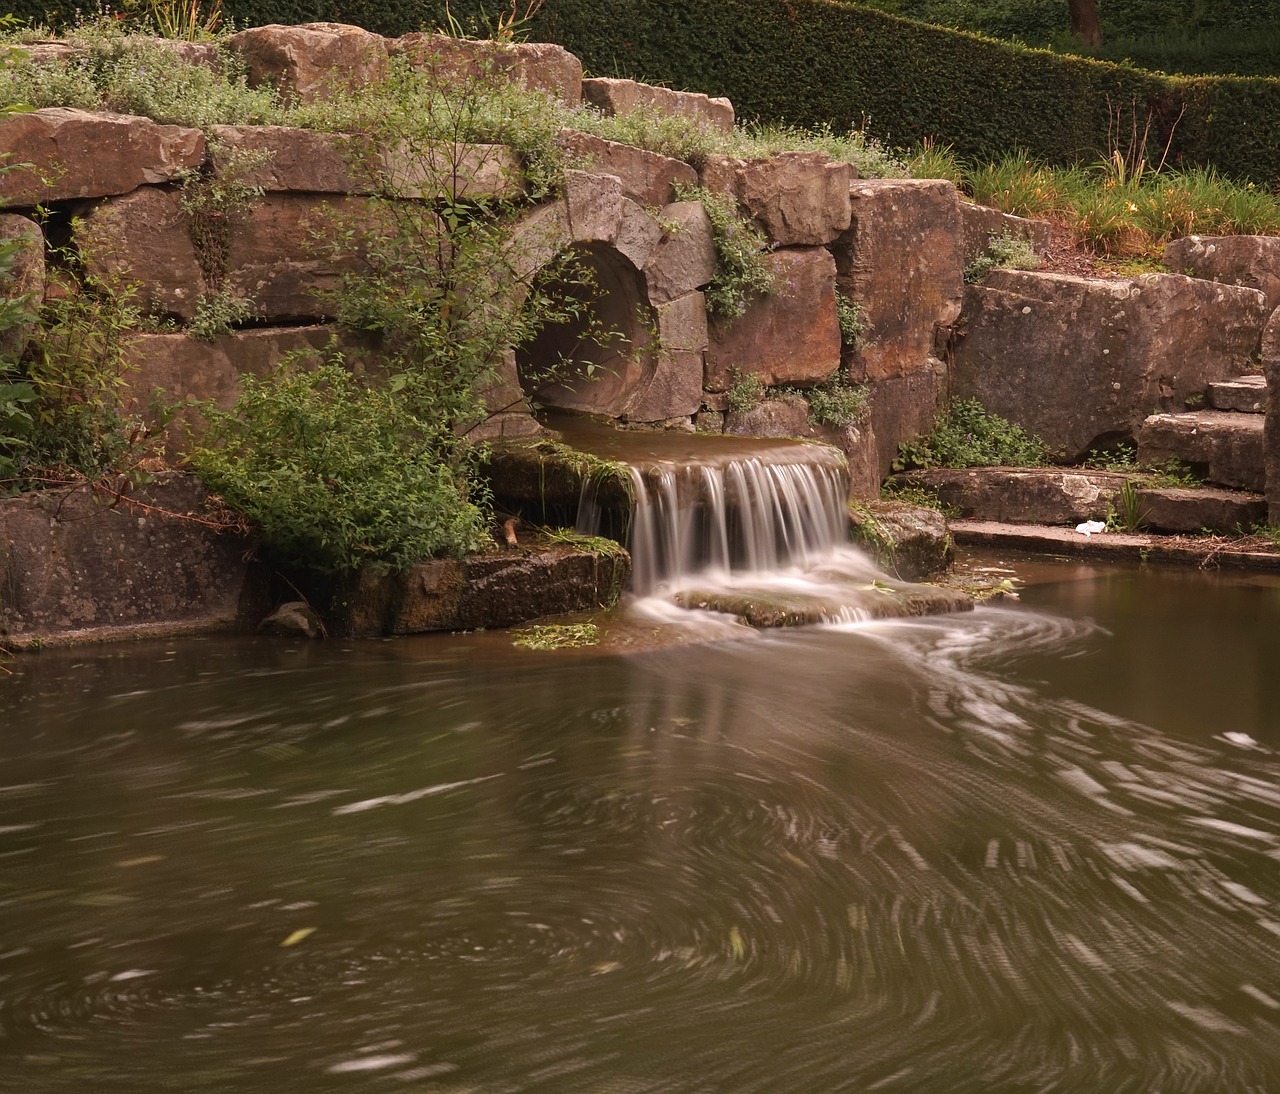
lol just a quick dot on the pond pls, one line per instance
(1028, 848)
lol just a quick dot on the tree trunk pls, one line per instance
(1084, 21)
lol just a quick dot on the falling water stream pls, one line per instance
(1033, 847)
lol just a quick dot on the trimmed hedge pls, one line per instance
(809, 62)
(814, 61)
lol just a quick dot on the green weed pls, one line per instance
(740, 249)
(838, 404)
(969, 436)
(556, 636)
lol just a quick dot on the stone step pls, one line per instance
(1115, 546)
(1071, 496)
(1221, 445)
(1244, 394)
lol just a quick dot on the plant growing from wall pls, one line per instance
(1005, 251)
(838, 404)
(852, 316)
(740, 249)
(746, 391)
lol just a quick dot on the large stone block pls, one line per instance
(142, 239)
(293, 159)
(1251, 261)
(26, 279)
(168, 369)
(791, 335)
(647, 177)
(797, 198)
(902, 260)
(277, 258)
(311, 61)
(1082, 362)
(85, 562)
(1027, 495)
(623, 96)
(538, 66)
(65, 153)
(685, 257)
(1223, 447)
(903, 408)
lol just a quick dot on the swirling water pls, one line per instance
(1029, 849)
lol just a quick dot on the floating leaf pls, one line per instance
(298, 936)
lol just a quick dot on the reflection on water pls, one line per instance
(919, 856)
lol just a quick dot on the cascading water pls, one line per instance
(756, 529)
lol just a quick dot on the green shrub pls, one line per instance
(746, 391)
(969, 436)
(334, 472)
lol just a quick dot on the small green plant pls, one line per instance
(852, 317)
(740, 249)
(970, 436)
(838, 404)
(1006, 251)
(909, 493)
(933, 160)
(1129, 513)
(746, 391)
(217, 313)
(556, 636)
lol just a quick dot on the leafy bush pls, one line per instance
(746, 391)
(971, 437)
(335, 472)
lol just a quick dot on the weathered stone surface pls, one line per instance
(26, 279)
(623, 96)
(1251, 261)
(1200, 509)
(646, 177)
(1271, 432)
(903, 408)
(176, 368)
(719, 173)
(142, 239)
(69, 153)
(85, 563)
(296, 159)
(981, 225)
(1225, 448)
(787, 415)
(638, 234)
(768, 608)
(685, 257)
(1082, 362)
(674, 388)
(458, 170)
(276, 261)
(296, 619)
(908, 540)
(538, 66)
(797, 198)
(1245, 394)
(313, 60)
(1021, 495)
(593, 207)
(791, 335)
(483, 591)
(902, 260)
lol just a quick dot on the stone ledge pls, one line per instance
(1041, 539)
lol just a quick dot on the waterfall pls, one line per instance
(730, 518)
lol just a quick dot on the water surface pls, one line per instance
(1029, 849)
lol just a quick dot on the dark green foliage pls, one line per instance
(971, 437)
(334, 472)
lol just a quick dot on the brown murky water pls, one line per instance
(1029, 849)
